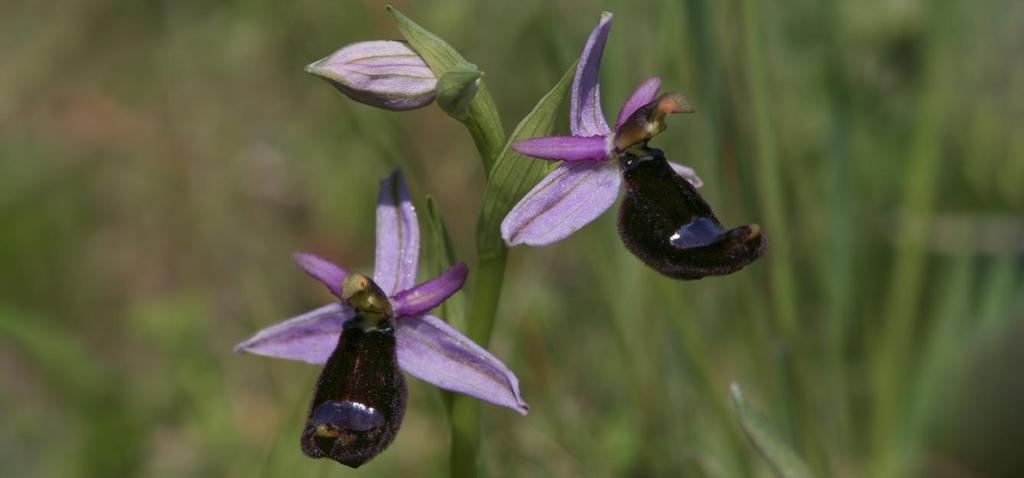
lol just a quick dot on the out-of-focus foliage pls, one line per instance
(159, 161)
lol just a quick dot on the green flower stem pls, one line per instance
(465, 432)
(483, 306)
(509, 176)
(485, 127)
(465, 436)
(490, 272)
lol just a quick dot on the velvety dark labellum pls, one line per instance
(360, 397)
(665, 222)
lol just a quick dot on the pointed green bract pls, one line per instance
(482, 118)
(514, 174)
(765, 438)
(436, 52)
(441, 256)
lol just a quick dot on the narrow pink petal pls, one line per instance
(643, 94)
(436, 353)
(687, 173)
(565, 148)
(585, 116)
(398, 236)
(310, 337)
(322, 270)
(429, 294)
(565, 200)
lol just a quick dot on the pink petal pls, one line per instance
(322, 270)
(398, 236)
(565, 148)
(585, 116)
(643, 94)
(310, 337)
(565, 200)
(429, 294)
(434, 352)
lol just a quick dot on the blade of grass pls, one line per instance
(691, 343)
(894, 350)
(766, 439)
(779, 259)
(940, 353)
(836, 267)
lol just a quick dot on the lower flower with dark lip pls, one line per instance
(359, 400)
(379, 328)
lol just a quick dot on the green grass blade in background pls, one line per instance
(794, 373)
(995, 307)
(836, 270)
(62, 358)
(893, 349)
(941, 354)
(767, 440)
(769, 182)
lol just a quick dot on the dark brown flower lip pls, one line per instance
(359, 400)
(661, 211)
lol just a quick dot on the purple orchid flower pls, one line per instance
(663, 219)
(380, 325)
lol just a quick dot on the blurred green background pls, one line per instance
(159, 162)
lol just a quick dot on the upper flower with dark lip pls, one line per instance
(587, 182)
(380, 323)
(596, 160)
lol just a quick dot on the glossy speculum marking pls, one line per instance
(359, 401)
(665, 222)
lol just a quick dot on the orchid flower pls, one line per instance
(663, 220)
(380, 325)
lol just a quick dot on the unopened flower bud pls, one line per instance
(456, 89)
(382, 73)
